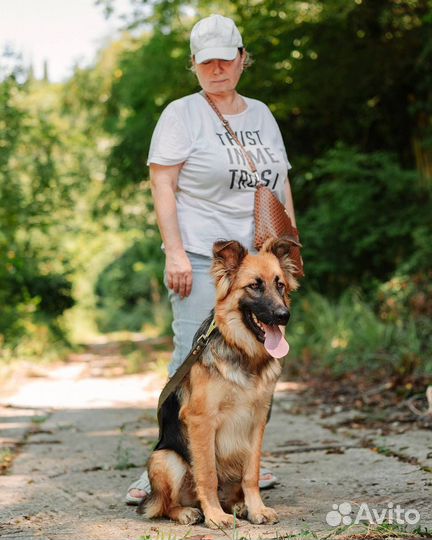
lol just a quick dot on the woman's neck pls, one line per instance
(228, 103)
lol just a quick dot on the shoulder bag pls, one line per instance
(271, 217)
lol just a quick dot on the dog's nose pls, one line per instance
(281, 315)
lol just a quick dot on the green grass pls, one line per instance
(6, 457)
(345, 335)
(123, 458)
(39, 419)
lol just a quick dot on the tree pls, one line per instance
(357, 72)
(31, 196)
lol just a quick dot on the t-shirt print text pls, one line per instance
(240, 175)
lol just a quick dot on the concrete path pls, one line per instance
(80, 438)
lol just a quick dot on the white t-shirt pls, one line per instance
(215, 191)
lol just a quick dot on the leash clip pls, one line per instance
(204, 337)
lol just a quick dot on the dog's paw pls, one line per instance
(219, 520)
(240, 510)
(263, 515)
(190, 516)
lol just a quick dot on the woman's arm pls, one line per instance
(289, 205)
(178, 267)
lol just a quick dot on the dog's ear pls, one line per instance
(281, 247)
(227, 257)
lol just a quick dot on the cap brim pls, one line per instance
(216, 53)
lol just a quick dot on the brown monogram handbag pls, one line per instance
(271, 217)
(272, 220)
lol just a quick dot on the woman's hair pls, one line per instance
(248, 60)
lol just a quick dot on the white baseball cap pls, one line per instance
(215, 37)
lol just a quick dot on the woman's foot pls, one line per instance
(141, 487)
(267, 479)
(138, 489)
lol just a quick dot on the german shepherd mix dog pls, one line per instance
(207, 461)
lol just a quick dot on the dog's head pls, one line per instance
(252, 295)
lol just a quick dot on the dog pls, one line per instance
(207, 461)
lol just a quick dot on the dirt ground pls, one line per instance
(75, 435)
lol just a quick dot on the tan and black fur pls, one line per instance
(206, 463)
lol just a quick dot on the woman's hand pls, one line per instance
(178, 270)
(178, 267)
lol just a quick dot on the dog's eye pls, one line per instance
(257, 285)
(280, 286)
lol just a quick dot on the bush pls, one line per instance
(407, 299)
(34, 285)
(365, 218)
(130, 290)
(30, 299)
(346, 335)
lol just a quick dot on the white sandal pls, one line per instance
(268, 482)
(143, 484)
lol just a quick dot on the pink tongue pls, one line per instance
(275, 343)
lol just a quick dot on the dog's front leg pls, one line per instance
(257, 512)
(200, 413)
(201, 431)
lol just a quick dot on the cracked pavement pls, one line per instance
(80, 437)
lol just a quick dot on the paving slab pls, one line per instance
(69, 478)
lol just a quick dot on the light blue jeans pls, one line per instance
(190, 312)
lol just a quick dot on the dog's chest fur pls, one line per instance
(238, 397)
(239, 409)
(233, 366)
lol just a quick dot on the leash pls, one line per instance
(185, 367)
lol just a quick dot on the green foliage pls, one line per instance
(130, 289)
(34, 289)
(335, 70)
(27, 171)
(408, 297)
(350, 85)
(140, 90)
(346, 335)
(366, 217)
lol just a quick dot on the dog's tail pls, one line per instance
(154, 505)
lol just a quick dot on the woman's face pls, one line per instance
(220, 76)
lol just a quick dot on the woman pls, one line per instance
(202, 187)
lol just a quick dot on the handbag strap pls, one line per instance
(230, 130)
(249, 159)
